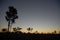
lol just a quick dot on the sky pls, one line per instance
(41, 15)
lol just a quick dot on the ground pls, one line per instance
(27, 36)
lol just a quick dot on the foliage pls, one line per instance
(11, 15)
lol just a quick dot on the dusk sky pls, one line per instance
(41, 15)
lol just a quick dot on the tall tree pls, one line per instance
(11, 15)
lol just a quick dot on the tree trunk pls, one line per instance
(8, 26)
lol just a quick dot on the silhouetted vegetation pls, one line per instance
(29, 29)
(55, 31)
(27, 36)
(4, 30)
(59, 32)
(16, 29)
(36, 32)
(11, 15)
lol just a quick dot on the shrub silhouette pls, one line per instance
(36, 31)
(29, 29)
(59, 32)
(4, 30)
(54, 31)
(16, 29)
(11, 15)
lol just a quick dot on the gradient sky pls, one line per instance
(41, 15)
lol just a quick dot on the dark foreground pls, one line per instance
(24, 36)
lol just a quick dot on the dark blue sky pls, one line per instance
(41, 15)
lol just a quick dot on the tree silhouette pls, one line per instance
(36, 32)
(17, 29)
(11, 15)
(55, 32)
(59, 32)
(14, 29)
(29, 29)
(4, 30)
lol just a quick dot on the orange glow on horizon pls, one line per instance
(25, 31)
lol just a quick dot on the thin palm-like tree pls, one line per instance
(11, 15)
